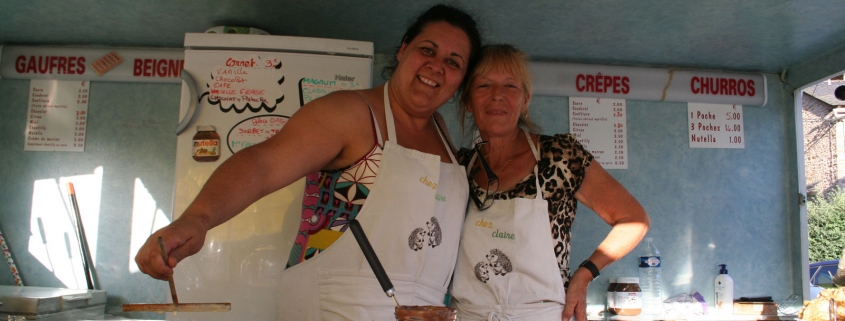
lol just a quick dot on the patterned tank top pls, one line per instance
(333, 198)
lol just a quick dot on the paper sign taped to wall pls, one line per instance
(715, 126)
(600, 124)
(57, 115)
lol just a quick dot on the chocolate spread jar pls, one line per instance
(611, 293)
(628, 297)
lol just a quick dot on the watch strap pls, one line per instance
(590, 266)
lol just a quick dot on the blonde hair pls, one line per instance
(499, 58)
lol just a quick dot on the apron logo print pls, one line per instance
(435, 235)
(497, 261)
(428, 183)
(416, 241)
(481, 272)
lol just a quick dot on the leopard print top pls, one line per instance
(562, 167)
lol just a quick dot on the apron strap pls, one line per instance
(536, 158)
(533, 147)
(472, 161)
(445, 141)
(388, 117)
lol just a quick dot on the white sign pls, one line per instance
(57, 116)
(100, 64)
(715, 126)
(600, 124)
(655, 84)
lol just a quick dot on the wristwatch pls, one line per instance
(594, 270)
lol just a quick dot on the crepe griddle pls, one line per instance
(175, 306)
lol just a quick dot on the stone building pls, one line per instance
(824, 137)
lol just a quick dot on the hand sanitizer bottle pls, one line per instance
(724, 291)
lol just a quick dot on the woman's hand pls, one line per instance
(576, 296)
(619, 209)
(182, 238)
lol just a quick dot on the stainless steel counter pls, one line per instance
(42, 303)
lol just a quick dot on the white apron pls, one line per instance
(507, 269)
(412, 217)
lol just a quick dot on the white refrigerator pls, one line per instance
(246, 87)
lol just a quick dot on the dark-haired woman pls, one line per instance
(416, 194)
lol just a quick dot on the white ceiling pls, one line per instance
(749, 35)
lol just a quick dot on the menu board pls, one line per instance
(715, 126)
(313, 88)
(57, 115)
(254, 130)
(250, 82)
(600, 124)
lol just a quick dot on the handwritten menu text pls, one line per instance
(313, 88)
(254, 130)
(240, 84)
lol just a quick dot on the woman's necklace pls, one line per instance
(509, 161)
(513, 155)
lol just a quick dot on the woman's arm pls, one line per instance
(327, 133)
(615, 205)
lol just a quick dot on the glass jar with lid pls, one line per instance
(611, 292)
(627, 298)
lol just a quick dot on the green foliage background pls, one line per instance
(826, 225)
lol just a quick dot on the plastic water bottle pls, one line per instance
(650, 280)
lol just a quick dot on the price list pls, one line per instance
(600, 124)
(57, 116)
(246, 82)
(715, 126)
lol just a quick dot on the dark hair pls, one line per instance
(455, 17)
